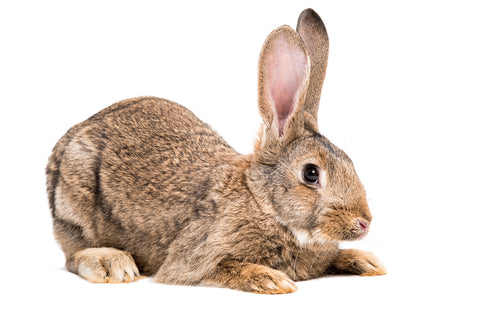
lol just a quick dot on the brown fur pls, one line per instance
(144, 183)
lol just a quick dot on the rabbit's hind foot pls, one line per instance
(104, 265)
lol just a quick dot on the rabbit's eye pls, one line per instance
(311, 174)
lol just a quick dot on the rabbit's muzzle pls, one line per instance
(345, 225)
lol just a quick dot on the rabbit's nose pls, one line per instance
(362, 224)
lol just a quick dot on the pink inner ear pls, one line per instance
(285, 79)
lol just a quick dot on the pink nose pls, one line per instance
(363, 225)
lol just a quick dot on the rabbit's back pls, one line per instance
(132, 176)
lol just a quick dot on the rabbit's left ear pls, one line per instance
(313, 33)
(283, 76)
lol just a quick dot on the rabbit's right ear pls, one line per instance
(283, 76)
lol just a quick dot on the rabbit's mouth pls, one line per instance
(344, 229)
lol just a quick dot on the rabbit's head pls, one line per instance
(297, 173)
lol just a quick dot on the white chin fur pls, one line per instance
(305, 237)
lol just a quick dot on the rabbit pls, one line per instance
(145, 188)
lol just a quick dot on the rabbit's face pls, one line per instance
(304, 180)
(316, 193)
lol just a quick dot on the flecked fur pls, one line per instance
(145, 184)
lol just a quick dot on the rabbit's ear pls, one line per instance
(283, 75)
(313, 33)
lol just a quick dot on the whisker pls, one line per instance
(295, 267)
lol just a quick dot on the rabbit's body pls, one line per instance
(135, 174)
(145, 183)
(153, 185)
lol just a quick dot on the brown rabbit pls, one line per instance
(145, 184)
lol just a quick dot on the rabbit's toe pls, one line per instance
(106, 265)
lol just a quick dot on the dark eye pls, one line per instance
(311, 174)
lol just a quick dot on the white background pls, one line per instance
(401, 97)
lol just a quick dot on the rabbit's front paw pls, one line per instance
(265, 280)
(252, 277)
(105, 265)
(357, 262)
